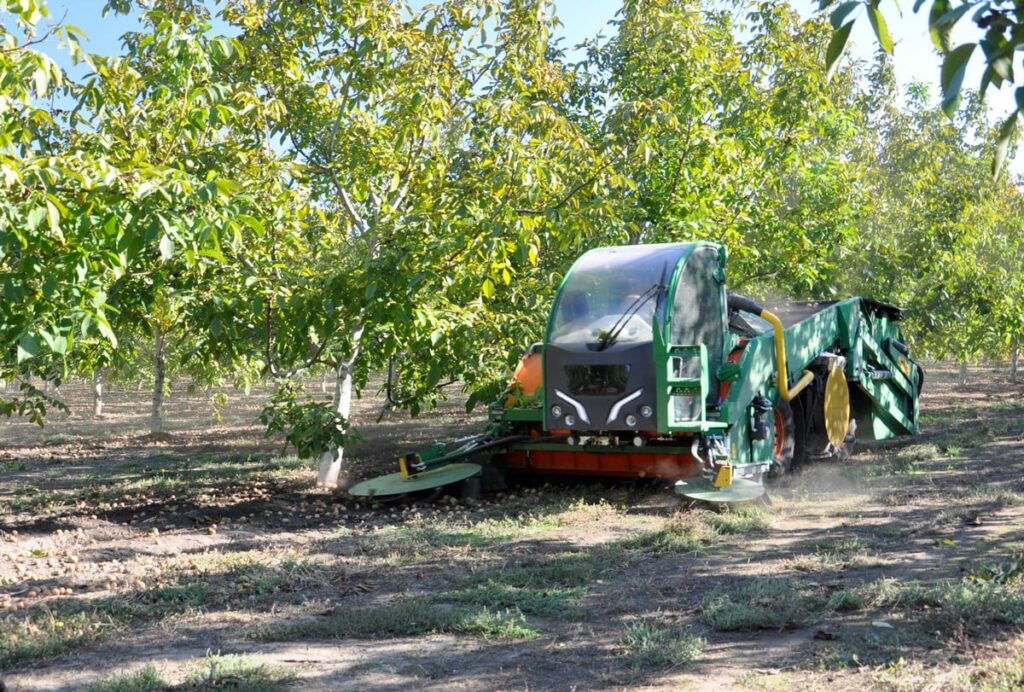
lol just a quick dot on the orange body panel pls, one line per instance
(528, 377)
(638, 464)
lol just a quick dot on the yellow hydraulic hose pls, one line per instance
(785, 392)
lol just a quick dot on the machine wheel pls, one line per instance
(785, 439)
(494, 476)
(470, 489)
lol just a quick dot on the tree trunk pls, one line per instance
(323, 383)
(1014, 357)
(97, 395)
(156, 418)
(331, 460)
(963, 373)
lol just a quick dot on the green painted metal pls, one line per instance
(865, 333)
(527, 415)
(665, 351)
(741, 490)
(397, 484)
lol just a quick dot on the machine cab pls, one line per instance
(610, 357)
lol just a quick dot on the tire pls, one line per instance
(494, 478)
(791, 454)
(471, 488)
(785, 440)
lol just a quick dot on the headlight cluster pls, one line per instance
(556, 413)
(630, 419)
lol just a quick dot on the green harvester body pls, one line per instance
(649, 368)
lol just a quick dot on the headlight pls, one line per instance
(556, 411)
(646, 411)
(631, 420)
(570, 420)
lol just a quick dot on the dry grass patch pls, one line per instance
(145, 680)
(406, 618)
(49, 632)
(764, 603)
(739, 520)
(648, 643)
(831, 556)
(686, 532)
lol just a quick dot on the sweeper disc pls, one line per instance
(396, 484)
(741, 490)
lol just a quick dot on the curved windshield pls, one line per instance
(612, 295)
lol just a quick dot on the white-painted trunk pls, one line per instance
(331, 461)
(1014, 358)
(963, 373)
(97, 395)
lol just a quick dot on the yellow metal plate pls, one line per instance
(837, 407)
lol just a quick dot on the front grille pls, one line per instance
(597, 379)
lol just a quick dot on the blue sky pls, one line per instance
(581, 19)
(916, 59)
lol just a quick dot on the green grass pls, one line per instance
(551, 586)
(741, 520)
(48, 633)
(907, 460)
(646, 643)
(507, 625)
(830, 556)
(145, 680)
(407, 618)
(426, 538)
(69, 624)
(556, 600)
(410, 543)
(844, 601)
(573, 568)
(238, 673)
(766, 603)
(970, 600)
(686, 533)
(1000, 676)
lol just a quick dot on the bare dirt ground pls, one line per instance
(204, 558)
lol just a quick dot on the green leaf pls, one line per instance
(836, 46)
(840, 14)
(166, 247)
(953, 16)
(880, 27)
(939, 34)
(227, 187)
(1006, 131)
(53, 214)
(952, 76)
(28, 347)
(488, 288)
(35, 217)
(59, 345)
(105, 329)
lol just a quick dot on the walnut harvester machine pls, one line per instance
(650, 368)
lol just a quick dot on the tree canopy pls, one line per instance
(386, 189)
